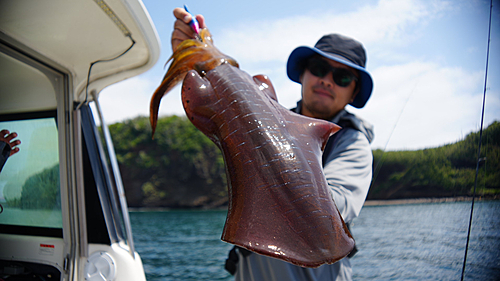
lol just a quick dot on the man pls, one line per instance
(332, 75)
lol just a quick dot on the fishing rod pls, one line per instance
(479, 160)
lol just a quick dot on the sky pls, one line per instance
(427, 59)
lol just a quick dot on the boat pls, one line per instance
(63, 210)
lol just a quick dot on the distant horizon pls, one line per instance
(373, 148)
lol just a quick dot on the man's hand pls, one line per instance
(182, 30)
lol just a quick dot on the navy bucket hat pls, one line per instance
(340, 49)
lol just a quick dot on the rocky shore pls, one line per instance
(424, 200)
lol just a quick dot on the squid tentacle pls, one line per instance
(192, 54)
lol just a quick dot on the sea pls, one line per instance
(395, 242)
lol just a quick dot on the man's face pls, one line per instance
(322, 98)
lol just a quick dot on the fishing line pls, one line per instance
(378, 166)
(479, 160)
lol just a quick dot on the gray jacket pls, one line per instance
(348, 164)
(348, 170)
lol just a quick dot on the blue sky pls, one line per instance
(427, 59)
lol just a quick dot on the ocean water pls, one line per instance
(401, 242)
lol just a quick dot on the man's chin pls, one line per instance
(320, 111)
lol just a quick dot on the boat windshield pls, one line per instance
(29, 180)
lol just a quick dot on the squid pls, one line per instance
(279, 201)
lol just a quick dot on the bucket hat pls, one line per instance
(341, 49)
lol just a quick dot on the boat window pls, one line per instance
(104, 182)
(29, 180)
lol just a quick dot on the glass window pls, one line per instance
(29, 181)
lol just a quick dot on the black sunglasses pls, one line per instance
(341, 76)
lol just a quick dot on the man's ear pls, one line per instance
(301, 85)
(355, 93)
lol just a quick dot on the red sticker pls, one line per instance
(46, 249)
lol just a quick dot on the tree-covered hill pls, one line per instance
(181, 167)
(445, 171)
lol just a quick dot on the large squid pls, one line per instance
(279, 202)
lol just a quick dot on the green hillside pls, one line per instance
(445, 171)
(181, 167)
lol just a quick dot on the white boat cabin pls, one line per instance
(63, 213)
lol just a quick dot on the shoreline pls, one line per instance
(367, 203)
(423, 200)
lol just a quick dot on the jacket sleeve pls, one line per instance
(348, 172)
(5, 152)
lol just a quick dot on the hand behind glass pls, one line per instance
(8, 137)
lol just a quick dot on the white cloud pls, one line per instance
(272, 40)
(441, 101)
(130, 98)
